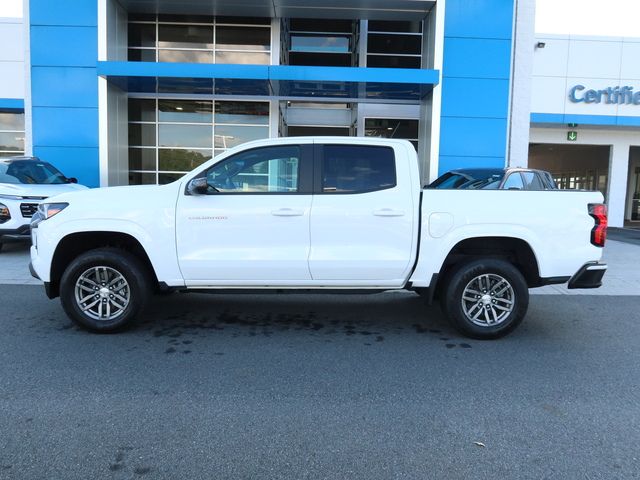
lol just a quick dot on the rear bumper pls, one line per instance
(589, 276)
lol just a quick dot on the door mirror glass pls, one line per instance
(197, 186)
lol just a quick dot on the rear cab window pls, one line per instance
(357, 168)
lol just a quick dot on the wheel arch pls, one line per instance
(75, 244)
(515, 250)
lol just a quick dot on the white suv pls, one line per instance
(24, 183)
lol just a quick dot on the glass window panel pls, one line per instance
(391, 128)
(320, 59)
(142, 17)
(185, 56)
(142, 158)
(532, 182)
(12, 141)
(320, 43)
(394, 26)
(260, 170)
(243, 58)
(243, 38)
(393, 61)
(402, 44)
(164, 178)
(353, 169)
(244, 20)
(297, 131)
(195, 136)
(242, 112)
(181, 160)
(321, 25)
(141, 35)
(11, 121)
(185, 36)
(185, 18)
(142, 110)
(191, 111)
(228, 136)
(142, 55)
(137, 178)
(141, 134)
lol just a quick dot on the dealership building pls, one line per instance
(118, 92)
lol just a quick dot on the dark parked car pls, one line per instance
(495, 179)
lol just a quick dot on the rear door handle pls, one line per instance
(287, 212)
(388, 212)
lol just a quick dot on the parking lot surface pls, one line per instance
(293, 386)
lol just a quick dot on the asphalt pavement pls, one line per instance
(332, 387)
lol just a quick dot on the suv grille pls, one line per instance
(28, 209)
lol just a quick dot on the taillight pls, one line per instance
(599, 231)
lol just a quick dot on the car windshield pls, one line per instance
(30, 172)
(472, 180)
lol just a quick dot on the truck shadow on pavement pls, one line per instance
(369, 318)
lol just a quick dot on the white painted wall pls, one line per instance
(12, 40)
(595, 62)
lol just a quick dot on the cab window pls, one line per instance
(260, 170)
(357, 169)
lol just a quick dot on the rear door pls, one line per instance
(362, 225)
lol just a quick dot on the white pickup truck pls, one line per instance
(318, 214)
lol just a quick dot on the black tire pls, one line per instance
(489, 307)
(1, 244)
(137, 288)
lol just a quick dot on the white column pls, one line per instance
(617, 191)
(520, 92)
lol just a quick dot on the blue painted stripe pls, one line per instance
(605, 120)
(265, 72)
(11, 104)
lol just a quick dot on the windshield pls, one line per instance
(475, 180)
(28, 172)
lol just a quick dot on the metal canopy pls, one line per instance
(344, 9)
(380, 85)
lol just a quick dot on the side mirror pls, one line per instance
(72, 180)
(197, 186)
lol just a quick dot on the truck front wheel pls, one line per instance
(104, 290)
(485, 298)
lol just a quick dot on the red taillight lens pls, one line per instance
(599, 232)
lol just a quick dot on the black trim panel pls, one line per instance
(585, 278)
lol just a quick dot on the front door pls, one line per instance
(252, 226)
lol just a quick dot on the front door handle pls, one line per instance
(287, 212)
(388, 212)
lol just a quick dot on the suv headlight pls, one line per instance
(46, 211)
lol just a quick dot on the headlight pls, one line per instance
(4, 213)
(46, 211)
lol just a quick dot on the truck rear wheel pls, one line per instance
(104, 290)
(485, 298)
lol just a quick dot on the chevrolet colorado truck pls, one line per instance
(317, 214)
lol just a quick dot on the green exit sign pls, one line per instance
(572, 136)
(572, 125)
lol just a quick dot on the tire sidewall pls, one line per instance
(124, 263)
(457, 283)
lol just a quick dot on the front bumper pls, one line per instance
(589, 276)
(20, 233)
